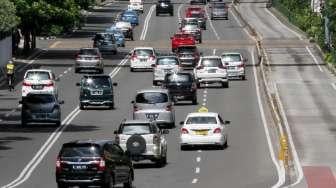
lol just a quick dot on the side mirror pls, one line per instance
(77, 84)
(20, 102)
(181, 122)
(115, 132)
(61, 102)
(115, 84)
(165, 131)
(227, 122)
(132, 102)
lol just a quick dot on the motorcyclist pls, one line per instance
(10, 67)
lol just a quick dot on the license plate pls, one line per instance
(37, 87)
(212, 71)
(167, 70)
(143, 60)
(79, 167)
(97, 92)
(201, 132)
(231, 67)
(152, 116)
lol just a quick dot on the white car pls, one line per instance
(211, 69)
(143, 140)
(235, 64)
(204, 129)
(126, 28)
(164, 65)
(136, 5)
(39, 81)
(142, 58)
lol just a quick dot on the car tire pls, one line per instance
(77, 70)
(123, 45)
(58, 123)
(61, 185)
(109, 184)
(212, 18)
(114, 52)
(132, 38)
(132, 69)
(100, 71)
(200, 40)
(183, 148)
(23, 122)
(111, 107)
(157, 14)
(172, 14)
(81, 106)
(198, 85)
(129, 183)
(225, 84)
(194, 101)
(243, 77)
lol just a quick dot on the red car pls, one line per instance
(199, 13)
(180, 39)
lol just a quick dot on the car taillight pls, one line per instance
(184, 131)
(25, 83)
(133, 57)
(101, 164)
(169, 107)
(217, 131)
(156, 139)
(199, 67)
(77, 56)
(58, 165)
(49, 84)
(152, 58)
(241, 65)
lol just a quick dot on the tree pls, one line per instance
(8, 18)
(85, 4)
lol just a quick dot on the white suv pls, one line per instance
(39, 81)
(142, 58)
(235, 64)
(143, 140)
(211, 69)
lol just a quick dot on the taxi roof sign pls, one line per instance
(203, 109)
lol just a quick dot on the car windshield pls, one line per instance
(97, 82)
(39, 99)
(80, 151)
(88, 52)
(214, 62)
(219, 5)
(167, 61)
(151, 97)
(183, 49)
(179, 78)
(128, 14)
(231, 57)
(37, 75)
(143, 52)
(136, 129)
(103, 36)
(191, 26)
(202, 120)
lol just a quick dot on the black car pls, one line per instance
(181, 86)
(164, 7)
(40, 108)
(192, 2)
(93, 163)
(96, 90)
(219, 10)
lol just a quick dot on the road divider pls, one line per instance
(146, 23)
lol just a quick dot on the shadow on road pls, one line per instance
(4, 141)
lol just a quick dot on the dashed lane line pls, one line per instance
(198, 159)
(314, 58)
(146, 23)
(211, 25)
(197, 170)
(195, 180)
(199, 151)
(334, 85)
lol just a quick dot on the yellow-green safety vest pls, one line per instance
(10, 68)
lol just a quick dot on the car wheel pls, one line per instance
(132, 37)
(111, 107)
(198, 85)
(172, 14)
(157, 14)
(109, 184)
(58, 123)
(183, 148)
(129, 183)
(200, 40)
(114, 52)
(61, 185)
(243, 77)
(132, 69)
(81, 106)
(123, 45)
(225, 84)
(194, 101)
(212, 18)
(23, 123)
(76, 70)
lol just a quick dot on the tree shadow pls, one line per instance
(4, 141)
(45, 128)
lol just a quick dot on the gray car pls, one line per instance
(154, 104)
(194, 29)
(218, 10)
(105, 42)
(89, 59)
(164, 65)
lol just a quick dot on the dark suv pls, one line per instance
(93, 163)
(40, 108)
(188, 55)
(181, 86)
(164, 7)
(96, 90)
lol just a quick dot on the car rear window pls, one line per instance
(231, 57)
(183, 49)
(37, 75)
(182, 35)
(96, 82)
(167, 61)
(136, 129)
(88, 52)
(214, 62)
(143, 52)
(219, 5)
(202, 120)
(179, 78)
(39, 99)
(80, 151)
(151, 97)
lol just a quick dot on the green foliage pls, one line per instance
(8, 18)
(85, 4)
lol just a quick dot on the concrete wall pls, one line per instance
(5, 53)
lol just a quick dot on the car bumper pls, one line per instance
(97, 102)
(209, 79)
(153, 152)
(188, 62)
(42, 117)
(164, 117)
(216, 139)
(187, 95)
(219, 15)
(82, 179)
(108, 49)
(46, 90)
(237, 73)
(141, 65)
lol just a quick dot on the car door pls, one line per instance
(121, 164)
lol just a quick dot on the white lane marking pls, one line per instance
(289, 29)
(69, 69)
(205, 91)
(204, 95)
(1, 120)
(214, 51)
(314, 58)
(179, 11)
(146, 23)
(30, 167)
(60, 75)
(211, 25)
(198, 159)
(204, 99)
(334, 85)
(194, 181)
(65, 72)
(55, 44)
(241, 25)
(197, 170)
(199, 151)
(264, 122)
(37, 54)
(204, 104)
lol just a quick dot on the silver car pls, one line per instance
(164, 65)
(235, 65)
(143, 140)
(191, 26)
(211, 69)
(154, 104)
(89, 59)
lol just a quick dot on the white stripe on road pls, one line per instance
(146, 23)
(30, 167)
(194, 181)
(334, 85)
(198, 159)
(197, 170)
(199, 151)
(211, 25)
(179, 11)
(314, 58)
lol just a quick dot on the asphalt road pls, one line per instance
(246, 162)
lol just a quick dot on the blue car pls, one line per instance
(130, 16)
(118, 35)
